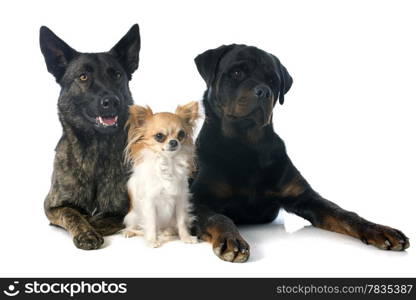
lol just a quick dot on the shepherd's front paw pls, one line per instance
(89, 240)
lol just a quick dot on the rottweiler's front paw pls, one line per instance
(89, 240)
(384, 237)
(231, 247)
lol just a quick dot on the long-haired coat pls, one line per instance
(160, 150)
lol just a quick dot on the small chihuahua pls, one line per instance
(160, 150)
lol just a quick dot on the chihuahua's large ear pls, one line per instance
(284, 78)
(126, 51)
(188, 112)
(207, 62)
(135, 129)
(138, 115)
(56, 52)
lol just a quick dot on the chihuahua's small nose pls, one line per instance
(173, 143)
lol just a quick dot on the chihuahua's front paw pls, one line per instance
(128, 233)
(189, 239)
(153, 243)
(168, 232)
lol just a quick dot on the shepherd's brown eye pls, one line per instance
(181, 135)
(117, 75)
(83, 77)
(160, 137)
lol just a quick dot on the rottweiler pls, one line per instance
(244, 173)
(88, 195)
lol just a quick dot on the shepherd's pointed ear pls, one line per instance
(126, 51)
(208, 61)
(56, 52)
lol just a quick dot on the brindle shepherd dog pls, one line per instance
(244, 174)
(88, 195)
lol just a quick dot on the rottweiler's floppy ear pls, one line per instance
(207, 62)
(285, 79)
(188, 112)
(56, 52)
(127, 50)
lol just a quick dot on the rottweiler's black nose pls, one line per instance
(110, 102)
(262, 91)
(173, 143)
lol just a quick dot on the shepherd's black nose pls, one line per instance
(262, 91)
(173, 143)
(110, 102)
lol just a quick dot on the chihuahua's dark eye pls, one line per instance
(83, 77)
(181, 135)
(160, 137)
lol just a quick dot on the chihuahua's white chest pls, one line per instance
(158, 175)
(172, 173)
(159, 181)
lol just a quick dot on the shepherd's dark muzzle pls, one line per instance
(110, 103)
(105, 112)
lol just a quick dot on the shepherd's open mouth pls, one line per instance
(106, 121)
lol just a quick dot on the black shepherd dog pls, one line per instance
(88, 195)
(244, 174)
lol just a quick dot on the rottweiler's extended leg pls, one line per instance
(84, 235)
(223, 234)
(327, 215)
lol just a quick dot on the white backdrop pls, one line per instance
(348, 123)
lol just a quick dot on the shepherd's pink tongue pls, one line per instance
(108, 120)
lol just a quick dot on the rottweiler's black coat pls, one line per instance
(88, 195)
(244, 173)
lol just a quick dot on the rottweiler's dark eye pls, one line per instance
(181, 135)
(237, 74)
(160, 137)
(117, 75)
(83, 77)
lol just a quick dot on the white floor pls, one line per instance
(275, 253)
